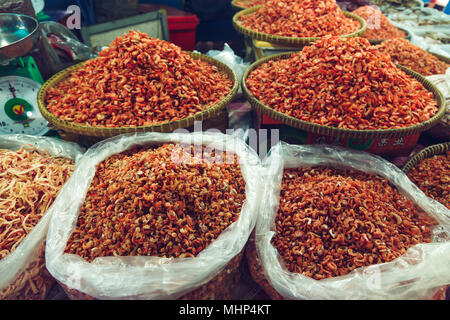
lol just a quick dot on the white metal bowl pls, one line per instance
(18, 35)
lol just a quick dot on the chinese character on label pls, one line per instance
(399, 142)
(383, 142)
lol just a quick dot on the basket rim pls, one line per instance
(237, 7)
(339, 132)
(378, 41)
(425, 153)
(167, 126)
(289, 40)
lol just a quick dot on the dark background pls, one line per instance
(215, 17)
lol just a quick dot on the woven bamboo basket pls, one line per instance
(338, 132)
(378, 41)
(428, 152)
(290, 41)
(106, 132)
(219, 122)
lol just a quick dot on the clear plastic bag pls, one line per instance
(28, 252)
(418, 274)
(63, 39)
(148, 277)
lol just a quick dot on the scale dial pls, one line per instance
(19, 112)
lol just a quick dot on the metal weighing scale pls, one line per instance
(20, 79)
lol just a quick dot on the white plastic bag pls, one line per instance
(416, 274)
(14, 263)
(147, 277)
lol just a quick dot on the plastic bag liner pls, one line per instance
(14, 263)
(228, 57)
(415, 275)
(147, 277)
